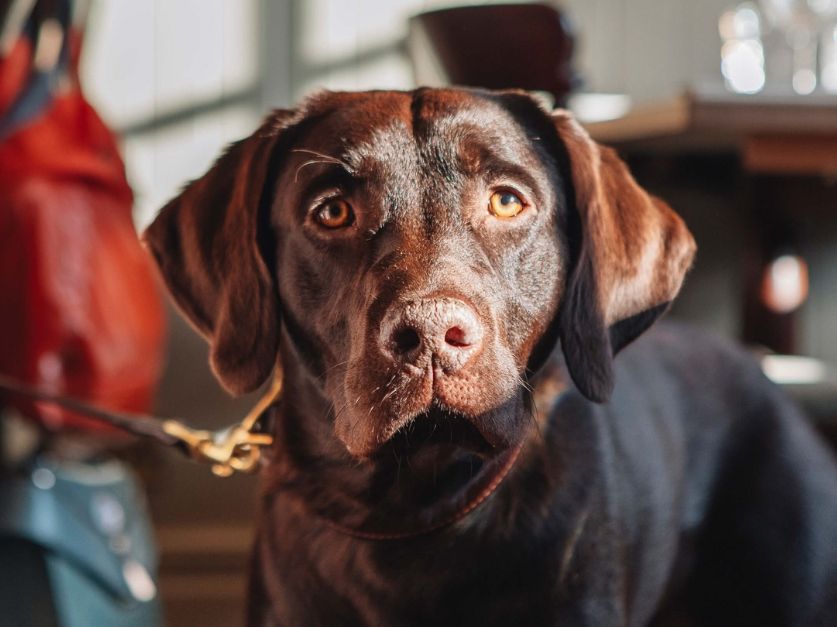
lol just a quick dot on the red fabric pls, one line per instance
(80, 311)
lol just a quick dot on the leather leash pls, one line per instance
(234, 448)
(238, 448)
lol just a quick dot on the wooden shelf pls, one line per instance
(773, 133)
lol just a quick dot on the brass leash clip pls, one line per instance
(235, 448)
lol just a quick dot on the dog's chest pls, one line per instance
(439, 580)
(427, 583)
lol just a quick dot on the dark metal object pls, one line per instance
(526, 46)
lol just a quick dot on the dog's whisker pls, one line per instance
(391, 391)
(525, 384)
(534, 414)
(311, 162)
(333, 414)
(322, 155)
(534, 417)
(333, 367)
(321, 159)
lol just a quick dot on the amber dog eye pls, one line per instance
(505, 204)
(334, 214)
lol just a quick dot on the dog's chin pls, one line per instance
(434, 435)
(433, 454)
(430, 459)
(458, 408)
(439, 430)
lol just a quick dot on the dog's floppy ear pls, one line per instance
(207, 244)
(630, 253)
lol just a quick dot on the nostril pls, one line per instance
(455, 336)
(406, 340)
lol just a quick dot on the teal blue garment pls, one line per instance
(91, 524)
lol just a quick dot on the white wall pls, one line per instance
(353, 44)
(646, 48)
(144, 60)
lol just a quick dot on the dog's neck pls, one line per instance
(381, 496)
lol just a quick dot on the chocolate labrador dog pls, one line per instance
(445, 277)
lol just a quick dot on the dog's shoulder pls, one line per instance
(696, 358)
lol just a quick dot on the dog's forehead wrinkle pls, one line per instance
(388, 156)
(417, 167)
(481, 121)
(378, 146)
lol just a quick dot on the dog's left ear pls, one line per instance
(207, 244)
(631, 253)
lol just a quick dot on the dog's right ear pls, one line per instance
(206, 243)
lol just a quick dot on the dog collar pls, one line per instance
(486, 487)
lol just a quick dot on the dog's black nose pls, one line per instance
(446, 329)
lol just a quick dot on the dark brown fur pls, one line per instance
(672, 483)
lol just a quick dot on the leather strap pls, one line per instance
(236, 448)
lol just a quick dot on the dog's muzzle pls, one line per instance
(443, 331)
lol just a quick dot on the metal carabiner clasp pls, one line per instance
(235, 448)
(228, 450)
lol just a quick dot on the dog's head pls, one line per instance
(419, 253)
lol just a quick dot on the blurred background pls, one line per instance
(728, 111)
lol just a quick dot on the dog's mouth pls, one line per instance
(434, 456)
(434, 431)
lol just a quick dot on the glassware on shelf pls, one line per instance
(805, 32)
(742, 52)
